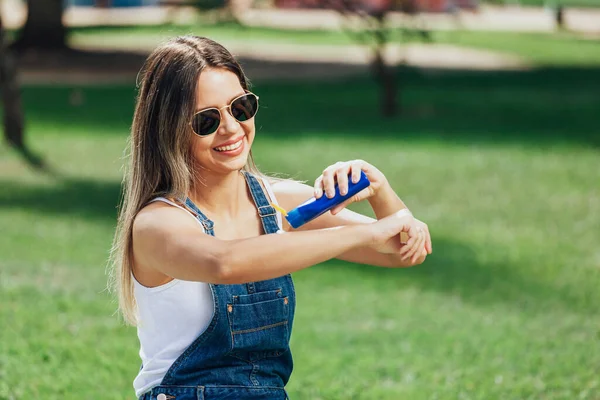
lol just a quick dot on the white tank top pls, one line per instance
(171, 317)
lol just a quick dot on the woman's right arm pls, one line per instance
(167, 240)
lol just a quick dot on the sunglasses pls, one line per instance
(242, 108)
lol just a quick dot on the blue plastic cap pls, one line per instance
(295, 218)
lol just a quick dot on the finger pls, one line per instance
(420, 248)
(413, 248)
(318, 187)
(412, 237)
(405, 251)
(329, 182)
(423, 255)
(342, 179)
(355, 168)
(427, 237)
(412, 245)
(428, 241)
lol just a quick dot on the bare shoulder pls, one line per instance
(159, 218)
(155, 228)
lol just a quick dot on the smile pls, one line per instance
(231, 146)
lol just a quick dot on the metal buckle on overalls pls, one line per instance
(207, 224)
(265, 213)
(163, 396)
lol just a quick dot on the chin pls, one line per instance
(224, 167)
(234, 166)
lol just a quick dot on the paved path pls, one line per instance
(284, 61)
(262, 62)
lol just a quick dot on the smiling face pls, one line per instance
(227, 149)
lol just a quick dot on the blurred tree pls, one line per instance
(209, 4)
(44, 28)
(11, 101)
(366, 22)
(223, 10)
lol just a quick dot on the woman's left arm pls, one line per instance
(382, 199)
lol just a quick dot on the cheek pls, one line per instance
(201, 148)
(250, 133)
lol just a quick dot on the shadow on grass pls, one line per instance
(454, 269)
(68, 196)
(542, 107)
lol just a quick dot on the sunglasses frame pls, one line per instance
(228, 106)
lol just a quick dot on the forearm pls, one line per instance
(270, 256)
(386, 203)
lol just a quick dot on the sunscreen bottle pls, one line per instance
(312, 208)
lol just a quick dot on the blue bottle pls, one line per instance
(312, 208)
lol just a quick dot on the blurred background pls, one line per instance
(484, 116)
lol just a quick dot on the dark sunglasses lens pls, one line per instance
(244, 107)
(206, 122)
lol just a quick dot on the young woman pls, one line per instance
(196, 261)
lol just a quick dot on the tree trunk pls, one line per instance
(383, 74)
(11, 101)
(44, 28)
(11, 97)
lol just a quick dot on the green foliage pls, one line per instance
(208, 4)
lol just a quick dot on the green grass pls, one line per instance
(505, 308)
(563, 49)
(536, 48)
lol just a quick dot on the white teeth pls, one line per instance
(230, 147)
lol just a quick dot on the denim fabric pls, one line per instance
(244, 353)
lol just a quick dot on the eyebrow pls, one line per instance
(229, 102)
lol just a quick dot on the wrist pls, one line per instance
(363, 234)
(386, 202)
(384, 194)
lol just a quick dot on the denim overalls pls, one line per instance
(244, 353)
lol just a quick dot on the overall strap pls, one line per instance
(265, 209)
(206, 223)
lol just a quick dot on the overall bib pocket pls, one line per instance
(259, 324)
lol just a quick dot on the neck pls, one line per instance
(219, 194)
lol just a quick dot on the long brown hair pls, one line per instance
(159, 160)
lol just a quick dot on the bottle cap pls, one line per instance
(294, 217)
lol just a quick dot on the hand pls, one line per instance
(423, 227)
(339, 172)
(387, 233)
(419, 247)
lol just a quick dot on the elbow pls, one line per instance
(222, 266)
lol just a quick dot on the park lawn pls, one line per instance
(505, 307)
(565, 48)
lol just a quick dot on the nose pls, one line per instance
(229, 125)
